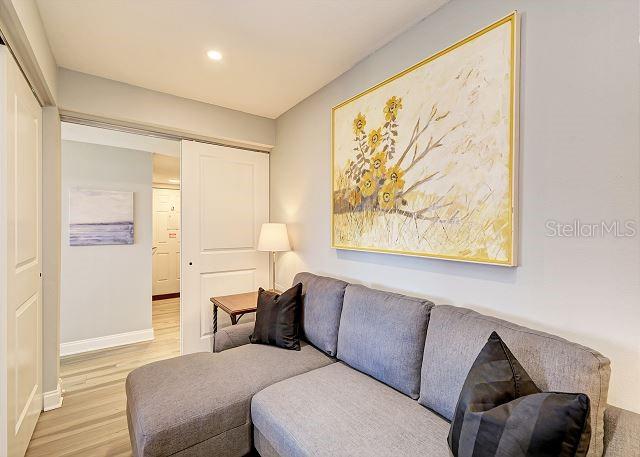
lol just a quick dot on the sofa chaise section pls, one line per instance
(199, 404)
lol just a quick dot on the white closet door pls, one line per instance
(166, 241)
(225, 200)
(20, 227)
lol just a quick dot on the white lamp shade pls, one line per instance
(273, 237)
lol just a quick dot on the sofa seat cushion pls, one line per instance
(177, 403)
(456, 336)
(621, 432)
(338, 411)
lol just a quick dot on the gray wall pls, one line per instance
(106, 290)
(579, 159)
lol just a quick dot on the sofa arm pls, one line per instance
(621, 433)
(233, 336)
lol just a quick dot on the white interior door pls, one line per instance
(166, 241)
(226, 199)
(21, 354)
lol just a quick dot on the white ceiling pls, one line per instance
(276, 52)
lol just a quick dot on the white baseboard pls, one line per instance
(52, 399)
(104, 342)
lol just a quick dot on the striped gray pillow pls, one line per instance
(278, 318)
(501, 412)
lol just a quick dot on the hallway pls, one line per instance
(92, 420)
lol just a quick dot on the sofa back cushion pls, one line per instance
(382, 334)
(321, 307)
(457, 335)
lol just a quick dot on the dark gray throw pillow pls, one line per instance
(501, 412)
(278, 318)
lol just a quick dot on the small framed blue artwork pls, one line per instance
(100, 217)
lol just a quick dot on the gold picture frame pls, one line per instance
(381, 204)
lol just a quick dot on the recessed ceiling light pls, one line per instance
(174, 181)
(214, 55)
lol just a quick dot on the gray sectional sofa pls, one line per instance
(378, 375)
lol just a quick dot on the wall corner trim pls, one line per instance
(16, 38)
(52, 399)
(104, 342)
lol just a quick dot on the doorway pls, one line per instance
(166, 227)
(107, 237)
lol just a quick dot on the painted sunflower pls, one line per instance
(375, 137)
(393, 105)
(395, 177)
(387, 197)
(367, 184)
(378, 164)
(358, 124)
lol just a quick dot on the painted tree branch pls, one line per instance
(434, 206)
(418, 183)
(415, 135)
(430, 147)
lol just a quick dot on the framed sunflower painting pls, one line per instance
(423, 163)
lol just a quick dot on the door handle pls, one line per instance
(154, 249)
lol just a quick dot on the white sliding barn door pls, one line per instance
(20, 248)
(225, 200)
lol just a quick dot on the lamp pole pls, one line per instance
(273, 270)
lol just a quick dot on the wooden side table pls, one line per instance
(235, 306)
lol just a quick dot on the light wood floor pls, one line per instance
(92, 420)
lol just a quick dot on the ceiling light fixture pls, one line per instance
(214, 55)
